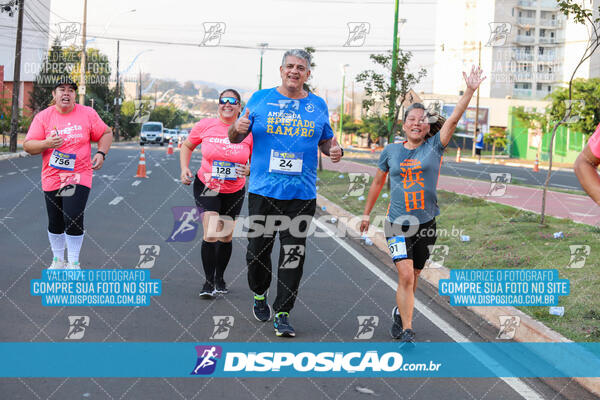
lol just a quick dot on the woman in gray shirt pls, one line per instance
(414, 167)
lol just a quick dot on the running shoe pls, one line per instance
(221, 286)
(73, 265)
(396, 330)
(261, 309)
(408, 338)
(57, 264)
(282, 325)
(208, 290)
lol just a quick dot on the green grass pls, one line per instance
(506, 237)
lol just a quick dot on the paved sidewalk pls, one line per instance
(563, 205)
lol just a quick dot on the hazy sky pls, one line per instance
(282, 24)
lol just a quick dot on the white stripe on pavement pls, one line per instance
(115, 201)
(515, 383)
(135, 183)
(148, 172)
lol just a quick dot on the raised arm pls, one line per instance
(473, 81)
(238, 131)
(586, 167)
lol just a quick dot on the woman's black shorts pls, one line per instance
(223, 203)
(417, 240)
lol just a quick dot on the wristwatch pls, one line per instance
(342, 151)
(104, 154)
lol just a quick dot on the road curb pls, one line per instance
(529, 330)
(13, 155)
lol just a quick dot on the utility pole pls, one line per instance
(342, 105)
(14, 118)
(476, 109)
(117, 98)
(83, 56)
(263, 46)
(392, 105)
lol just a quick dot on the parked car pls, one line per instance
(183, 134)
(170, 134)
(152, 132)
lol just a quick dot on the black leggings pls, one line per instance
(65, 213)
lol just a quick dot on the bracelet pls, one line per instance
(342, 151)
(103, 154)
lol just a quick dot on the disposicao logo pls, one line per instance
(207, 359)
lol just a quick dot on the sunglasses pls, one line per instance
(231, 100)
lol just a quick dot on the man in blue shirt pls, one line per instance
(479, 145)
(289, 125)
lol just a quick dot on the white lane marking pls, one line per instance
(578, 198)
(115, 201)
(157, 165)
(564, 186)
(583, 214)
(148, 172)
(11, 173)
(515, 383)
(24, 170)
(135, 183)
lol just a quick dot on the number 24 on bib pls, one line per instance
(285, 162)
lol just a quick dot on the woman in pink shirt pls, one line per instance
(62, 134)
(586, 167)
(218, 186)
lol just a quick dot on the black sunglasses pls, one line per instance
(231, 100)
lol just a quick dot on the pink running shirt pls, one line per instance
(212, 134)
(78, 128)
(594, 142)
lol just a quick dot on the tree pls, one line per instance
(585, 113)
(497, 138)
(585, 17)
(307, 86)
(170, 116)
(378, 88)
(376, 127)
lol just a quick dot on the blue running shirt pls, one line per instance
(286, 134)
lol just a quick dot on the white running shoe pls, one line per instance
(57, 264)
(73, 265)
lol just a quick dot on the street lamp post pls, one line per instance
(263, 46)
(342, 105)
(83, 42)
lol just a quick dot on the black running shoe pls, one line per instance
(396, 330)
(282, 325)
(261, 309)
(221, 287)
(208, 290)
(408, 338)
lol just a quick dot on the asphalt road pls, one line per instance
(337, 287)
(519, 175)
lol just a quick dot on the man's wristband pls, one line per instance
(104, 154)
(342, 151)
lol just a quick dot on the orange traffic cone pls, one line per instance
(170, 148)
(179, 142)
(458, 155)
(141, 170)
(536, 164)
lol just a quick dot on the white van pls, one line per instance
(152, 132)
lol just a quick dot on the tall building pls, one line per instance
(528, 47)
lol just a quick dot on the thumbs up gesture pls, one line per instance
(243, 123)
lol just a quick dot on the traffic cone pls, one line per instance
(179, 142)
(141, 170)
(170, 148)
(536, 164)
(458, 155)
